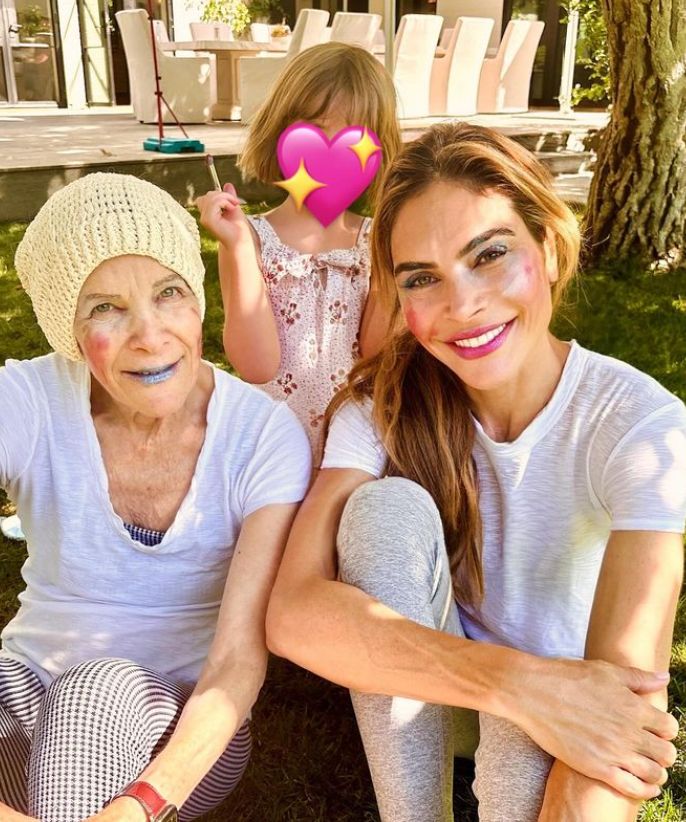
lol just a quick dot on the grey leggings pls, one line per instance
(390, 544)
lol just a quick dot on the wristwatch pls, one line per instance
(156, 808)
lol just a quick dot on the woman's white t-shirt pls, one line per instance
(607, 453)
(91, 590)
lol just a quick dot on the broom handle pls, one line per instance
(173, 114)
(158, 90)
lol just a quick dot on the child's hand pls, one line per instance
(221, 214)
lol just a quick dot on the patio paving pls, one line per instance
(42, 150)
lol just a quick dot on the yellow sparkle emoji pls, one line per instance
(364, 148)
(300, 185)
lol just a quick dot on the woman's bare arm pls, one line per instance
(631, 624)
(585, 713)
(235, 668)
(250, 336)
(7, 814)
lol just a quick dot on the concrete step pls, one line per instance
(543, 141)
(564, 151)
(24, 190)
(579, 138)
(565, 162)
(41, 152)
(573, 188)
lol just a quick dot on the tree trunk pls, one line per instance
(637, 203)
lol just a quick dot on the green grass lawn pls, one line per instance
(308, 762)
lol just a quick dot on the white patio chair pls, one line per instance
(258, 73)
(163, 37)
(211, 31)
(415, 47)
(259, 32)
(506, 78)
(160, 31)
(355, 28)
(451, 10)
(189, 84)
(455, 76)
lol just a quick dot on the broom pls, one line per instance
(167, 145)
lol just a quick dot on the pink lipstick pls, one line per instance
(481, 341)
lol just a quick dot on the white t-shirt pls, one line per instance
(608, 452)
(91, 590)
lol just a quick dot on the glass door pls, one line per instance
(545, 79)
(28, 68)
(96, 30)
(4, 91)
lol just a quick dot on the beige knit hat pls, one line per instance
(91, 220)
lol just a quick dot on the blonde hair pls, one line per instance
(317, 78)
(421, 408)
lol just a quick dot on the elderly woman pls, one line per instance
(156, 493)
(540, 485)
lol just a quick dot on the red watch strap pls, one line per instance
(153, 804)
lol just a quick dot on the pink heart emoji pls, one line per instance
(343, 167)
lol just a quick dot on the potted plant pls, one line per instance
(32, 22)
(266, 11)
(234, 13)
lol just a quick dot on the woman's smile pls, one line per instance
(153, 376)
(482, 341)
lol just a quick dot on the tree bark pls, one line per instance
(637, 202)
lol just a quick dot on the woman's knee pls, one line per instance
(390, 533)
(391, 495)
(104, 682)
(105, 671)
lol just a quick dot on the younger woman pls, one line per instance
(296, 294)
(540, 484)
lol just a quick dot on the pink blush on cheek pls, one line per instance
(412, 321)
(419, 324)
(96, 348)
(523, 278)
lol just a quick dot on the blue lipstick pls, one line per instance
(152, 377)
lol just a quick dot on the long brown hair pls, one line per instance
(420, 407)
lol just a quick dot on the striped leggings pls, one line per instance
(66, 751)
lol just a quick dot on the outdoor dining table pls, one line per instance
(228, 54)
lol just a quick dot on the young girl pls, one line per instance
(298, 311)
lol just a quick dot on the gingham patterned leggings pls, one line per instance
(66, 751)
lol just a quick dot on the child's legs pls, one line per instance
(511, 772)
(100, 725)
(21, 693)
(390, 544)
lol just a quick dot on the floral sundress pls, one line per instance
(318, 301)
